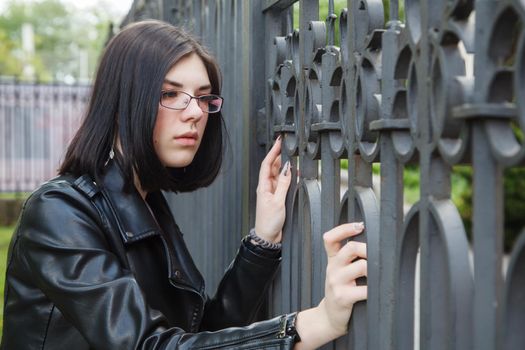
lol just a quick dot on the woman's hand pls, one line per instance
(271, 195)
(346, 263)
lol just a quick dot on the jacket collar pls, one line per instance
(136, 222)
(134, 218)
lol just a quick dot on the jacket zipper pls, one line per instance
(263, 334)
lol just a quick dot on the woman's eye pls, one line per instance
(171, 94)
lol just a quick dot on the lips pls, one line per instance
(187, 139)
(189, 135)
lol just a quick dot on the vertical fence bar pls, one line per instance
(422, 137)
(487, 219)
(488, 240)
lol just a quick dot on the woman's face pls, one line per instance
(178, 133)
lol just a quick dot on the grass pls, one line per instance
(5, 238)
(14, 195)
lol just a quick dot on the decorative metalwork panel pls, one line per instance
(442, 87)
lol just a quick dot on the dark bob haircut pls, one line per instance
(124, 104)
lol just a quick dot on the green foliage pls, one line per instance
(517, 132)
(63, 37)
(339, 5)
(5, 238)
(462, 192)
(401, 14)
(461, 178)
(411, 184)
(513, 205)
(514, 187)
(14, 195)
(8, 64)
(462, 196)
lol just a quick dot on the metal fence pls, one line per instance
(444, 87)
(37, 121)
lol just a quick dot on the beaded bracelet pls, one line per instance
(262, 242)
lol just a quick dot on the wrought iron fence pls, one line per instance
(36, 123)
(444, 87)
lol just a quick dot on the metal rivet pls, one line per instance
(129, 234)
(178, 274)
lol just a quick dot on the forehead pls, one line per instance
(188, 72)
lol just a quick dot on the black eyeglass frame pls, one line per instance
(198, 98)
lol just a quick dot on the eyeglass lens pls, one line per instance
(181, 100)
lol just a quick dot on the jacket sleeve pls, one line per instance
(243, 288)
(61, 245)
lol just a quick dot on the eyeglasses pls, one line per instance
(179, 100)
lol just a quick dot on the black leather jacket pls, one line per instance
(89, 267)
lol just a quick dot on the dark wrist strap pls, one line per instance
(288, 327)
(262, 242)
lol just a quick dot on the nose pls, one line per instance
(192, 112)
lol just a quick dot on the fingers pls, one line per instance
(276, 166)
(353, 271)
(341, 271)
(274, 174)
(266, 165)
(332, 239)
(283, 183)
(346, 264)
(341, 283)
(352, 294)
(269, 170)
(344, 294)
(350, 251)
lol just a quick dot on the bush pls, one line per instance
(513, 192)
(513, 205)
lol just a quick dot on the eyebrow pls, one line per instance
(179, 85)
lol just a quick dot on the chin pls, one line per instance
(177, 158)
(179, 163)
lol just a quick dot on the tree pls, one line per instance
(66, 41)
(9, 65)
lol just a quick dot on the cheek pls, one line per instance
(202, 124)
(160, 125)
(156, 136)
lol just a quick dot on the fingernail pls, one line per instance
(286, 167)
(278, 138)
(359, 226)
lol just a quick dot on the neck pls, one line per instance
(136, 181)
(142, 192)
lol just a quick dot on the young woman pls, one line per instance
(97, 260)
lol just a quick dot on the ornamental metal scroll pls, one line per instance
(419, 105)
(442, 88)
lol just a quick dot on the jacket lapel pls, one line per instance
(135, 223)
(133, 216)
